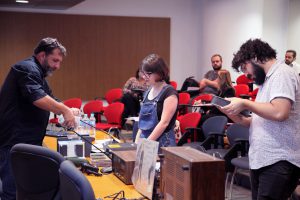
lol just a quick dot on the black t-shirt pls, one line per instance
(20, 120)
(169, 91)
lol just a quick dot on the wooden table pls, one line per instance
(103, 185)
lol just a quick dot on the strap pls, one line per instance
(158, 96)
(161, 92)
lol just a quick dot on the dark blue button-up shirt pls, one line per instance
(20, 120)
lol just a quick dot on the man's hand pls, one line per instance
(236, 106)
(69, 118)
(75, 111)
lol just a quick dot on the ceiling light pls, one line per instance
(22, 1)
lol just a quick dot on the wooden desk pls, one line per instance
(103, 185)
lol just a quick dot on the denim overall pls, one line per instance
(148, 120)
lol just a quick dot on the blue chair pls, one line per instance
(73, 184)
(241, 161)
(212, 128)
(35, 169)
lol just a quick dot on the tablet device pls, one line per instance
(218, 101)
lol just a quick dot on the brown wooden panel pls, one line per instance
(103, 51)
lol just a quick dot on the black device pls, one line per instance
(90, 169)
(218, 101)
(57, 133)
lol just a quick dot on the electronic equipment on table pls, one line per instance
(191, 174)
(123, 164)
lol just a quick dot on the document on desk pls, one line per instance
(100, 144)
(144, 169)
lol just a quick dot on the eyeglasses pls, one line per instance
(243, 68)
(146, 74)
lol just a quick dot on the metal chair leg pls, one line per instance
(226, 184)
(231, 182)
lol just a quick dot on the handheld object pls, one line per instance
(218, 101)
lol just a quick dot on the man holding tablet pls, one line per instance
(274, 153)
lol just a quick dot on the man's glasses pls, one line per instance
(243, 68)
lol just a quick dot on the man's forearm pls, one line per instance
(49, 104)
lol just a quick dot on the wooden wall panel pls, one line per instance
(102, 51)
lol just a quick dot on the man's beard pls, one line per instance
(49, 70)
(217, 67)
(259, 74)
(287, 62)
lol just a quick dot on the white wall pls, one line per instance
(226, 25)
(200, 28)
(294, 27)
(275, 25)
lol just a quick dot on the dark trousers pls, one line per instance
(6, 176)
(276, 181)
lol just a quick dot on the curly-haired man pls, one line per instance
(274, 153)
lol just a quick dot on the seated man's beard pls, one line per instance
(217, 68)
(288, 62)
(259, 74)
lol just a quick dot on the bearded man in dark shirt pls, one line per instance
(25, 104)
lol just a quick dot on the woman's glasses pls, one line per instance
(146, 74)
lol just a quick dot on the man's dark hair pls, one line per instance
(48, 45)
(253, 50)
(215, 55)
(155, 64)
(292, 51)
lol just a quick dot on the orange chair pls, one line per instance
(113, 114)
(203, 97)
(253, 94)
(183, 101)
(92, 106)
(242, 79)
(71, 103)
(241, 91)
(189, 122)
(113, 95)
(174, 84)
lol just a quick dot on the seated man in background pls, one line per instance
(218, 80)
(290, 57)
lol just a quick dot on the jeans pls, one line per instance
(276, 181)
(6, 176)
